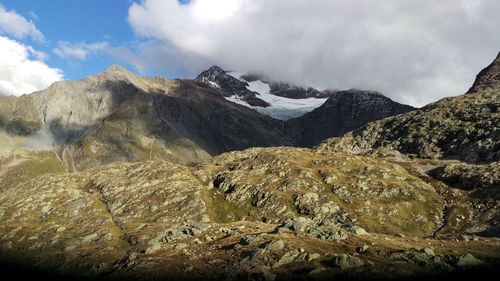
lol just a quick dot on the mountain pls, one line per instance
(118, 116)
(310, 115)
(411, 195)
(465, 127)
(257, 93)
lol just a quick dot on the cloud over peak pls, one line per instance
(414, 51)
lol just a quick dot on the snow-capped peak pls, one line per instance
(278, 100)
(281, 108)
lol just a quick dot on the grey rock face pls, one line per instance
(424, 259)
(70, 108)
(344, 111)
(305, 227)
(18, 116)
(469, 260)
(288, 90)
(345, 261)
(488, 78)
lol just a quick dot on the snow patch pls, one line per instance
(213, 85)
(259, 87)
(238, 100)
(280, 107)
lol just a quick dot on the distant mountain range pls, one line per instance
(285, 101)
(119, 116)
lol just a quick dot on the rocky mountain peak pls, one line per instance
(213, 73)
(116, 68)
(488, 78)
(229, 86)
(116, 72)
(119, 76)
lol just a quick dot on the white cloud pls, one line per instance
(79, 51)
(16, 25)
(20, 73)
(414, 51)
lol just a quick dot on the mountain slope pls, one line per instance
(464, 127)
(344, 111)
(488, 78)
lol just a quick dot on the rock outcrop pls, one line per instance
(270, 212)
(488, 78)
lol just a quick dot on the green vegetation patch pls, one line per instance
(224, 211)
(36, 164)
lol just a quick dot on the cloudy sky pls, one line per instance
(414, 51)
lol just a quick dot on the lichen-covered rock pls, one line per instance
(469, 260)
(470, 176)
(282, 183)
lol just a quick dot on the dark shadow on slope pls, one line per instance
(483, 183)
(215, 124)
(18, 271)
(343, 112)
(19, 127)
(188, 112)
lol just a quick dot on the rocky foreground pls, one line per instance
(263, 213)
